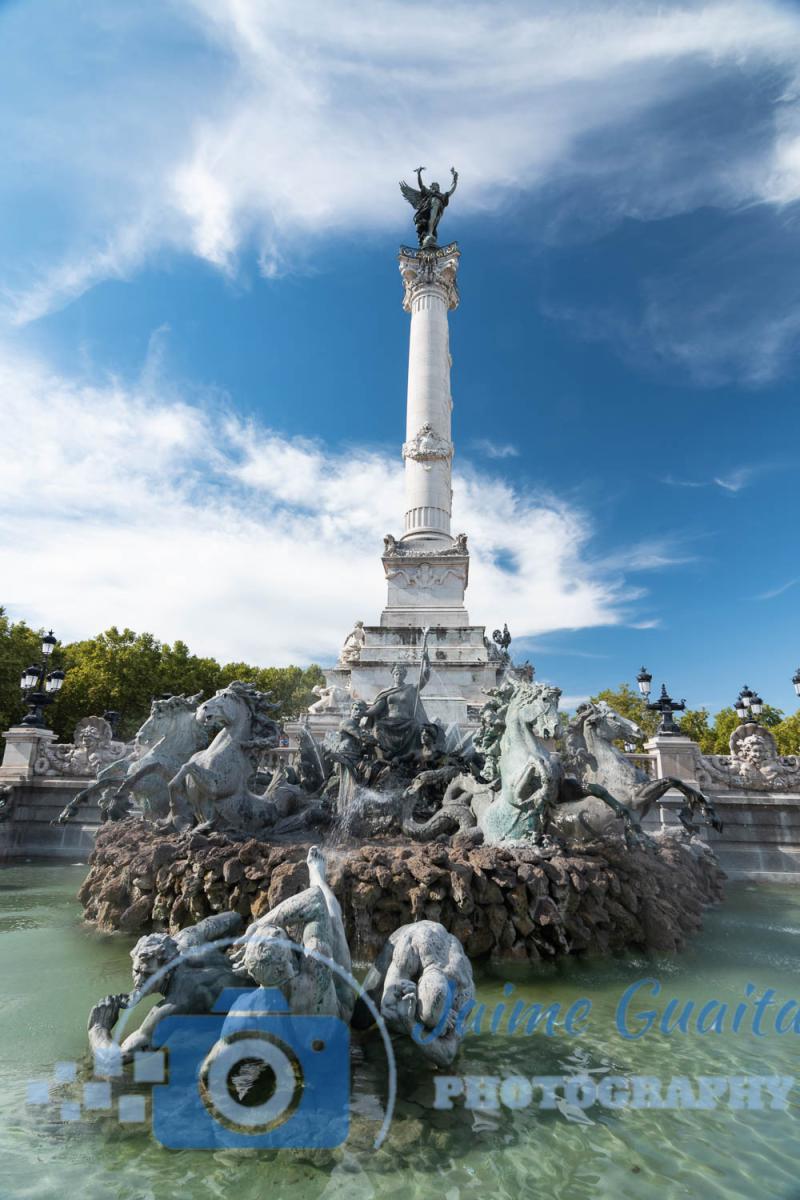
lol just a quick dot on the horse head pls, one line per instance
(169, 716)
(536, 706)
(605, 723)
(242, 705)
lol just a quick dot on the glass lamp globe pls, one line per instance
(30, 678)
(54, 681)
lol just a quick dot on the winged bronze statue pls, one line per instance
(428, 203)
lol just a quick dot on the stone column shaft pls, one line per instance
(429, 277)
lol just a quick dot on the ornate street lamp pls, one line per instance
(749, 705)
(40, 687)
(796, 682)
(644, 679)
(666, 706)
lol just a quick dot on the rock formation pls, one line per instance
(520, 902)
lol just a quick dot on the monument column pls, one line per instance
(426, 566)
(429, 277)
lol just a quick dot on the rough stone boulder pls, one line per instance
(517, 901)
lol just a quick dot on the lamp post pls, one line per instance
(749, 706)
(40, 687)
(665, 705)
(112, 716)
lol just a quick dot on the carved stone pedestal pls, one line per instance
(23, 743)
(675, 755)
(461, 666)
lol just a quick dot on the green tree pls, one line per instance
(628, 703)
(19, 647)
(726, 720)
(291, 686)
(787, 734)
(694, 724)
(124, 670)
(712, 736)
(118, 669)
(184, 672)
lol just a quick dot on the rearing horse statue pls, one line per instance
(213, 786)
(163, 743)
(538, 792)
(592, 757)
(529, 774)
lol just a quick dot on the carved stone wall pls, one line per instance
(92, 748)
(756, 793)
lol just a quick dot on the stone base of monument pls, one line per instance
(515, 902)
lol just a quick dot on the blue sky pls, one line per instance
(203, 350)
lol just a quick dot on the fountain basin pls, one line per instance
(517, 902)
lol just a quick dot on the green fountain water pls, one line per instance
(52, 969)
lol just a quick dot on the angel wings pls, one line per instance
(413, 197)
(428, 203)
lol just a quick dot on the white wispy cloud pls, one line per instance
(492, 449)
(778, 591)
(652, 555)
(162, 512)
(270, 124)
(733, 481)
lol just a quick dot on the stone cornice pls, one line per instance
(412, 550)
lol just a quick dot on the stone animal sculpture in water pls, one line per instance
(312, 919)
(169, 736)
(199, 972)
(529, 774)
(191, 968)
(422, 980)
(592, 758)
(532, 784)
(213, 787)
(453, 815)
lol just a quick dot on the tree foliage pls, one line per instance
(711, 734)
(123, 670)
(787, 734)
(19, 647)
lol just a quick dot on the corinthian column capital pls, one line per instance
(429, 271)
